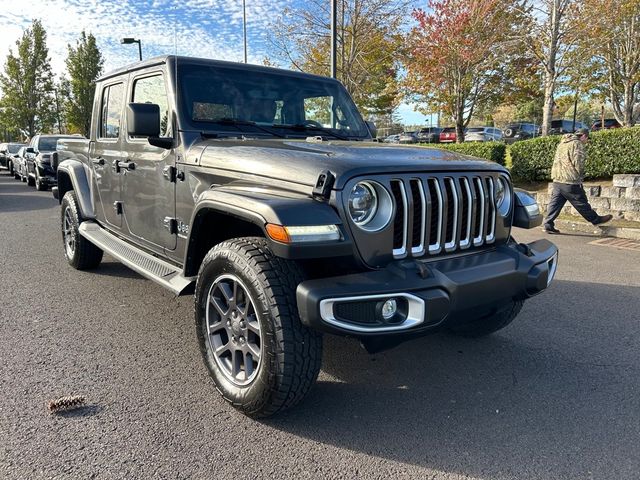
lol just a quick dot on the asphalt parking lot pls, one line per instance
(556, 395)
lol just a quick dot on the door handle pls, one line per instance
(98, 161)
(125, 166)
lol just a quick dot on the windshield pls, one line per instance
(475, 130)
(13, 147)
(230, 99)
(49, 144)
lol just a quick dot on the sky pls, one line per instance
(202, 28)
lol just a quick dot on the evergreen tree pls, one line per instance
(27, 84)
(84, 64)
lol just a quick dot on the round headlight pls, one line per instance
(363, 203)
(502, 196)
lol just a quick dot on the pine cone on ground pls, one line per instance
(66, 403)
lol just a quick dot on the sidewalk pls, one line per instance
(616, 228)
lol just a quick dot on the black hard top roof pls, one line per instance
(163, 59)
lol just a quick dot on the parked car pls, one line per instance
(448, 135)
(20, 164)
(514, 132)
(483, 134)
(41, 173)
(429, 135)
(392, 139)
(608, 123)
(560, 127)
(7, 153)
(283, 233)
(408, 137)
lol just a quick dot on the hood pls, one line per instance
(302, 161)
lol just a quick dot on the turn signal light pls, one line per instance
(278, 233)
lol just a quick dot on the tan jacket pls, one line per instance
(568, 164)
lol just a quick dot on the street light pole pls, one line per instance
(334, 39)
(129, 40)
(244, 28)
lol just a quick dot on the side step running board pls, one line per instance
(167, 275)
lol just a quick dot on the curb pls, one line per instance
(598, 230)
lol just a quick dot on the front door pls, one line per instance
(148, 189)
(105, 153)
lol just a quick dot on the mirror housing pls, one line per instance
(527, 212)
(372, 128)
(143, 120)
(29, 150)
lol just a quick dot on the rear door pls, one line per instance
(105, 153)
(148, 190)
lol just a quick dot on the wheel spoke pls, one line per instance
(219, 308)
(221, 349)
(226, 291)
(248, 365)
(254, 350)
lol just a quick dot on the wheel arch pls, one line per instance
(72, 176)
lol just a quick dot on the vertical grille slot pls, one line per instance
(452, 214)
(467, 213)
(491, 211)
(400, 221)
(435, 215)
(419, 217)
(478, 231)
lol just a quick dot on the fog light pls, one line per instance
(389, 309)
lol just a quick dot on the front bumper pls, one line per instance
(430, 295)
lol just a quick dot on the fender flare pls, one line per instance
(72, 175)
(262, 208)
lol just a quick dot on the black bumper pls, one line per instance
(449, 290)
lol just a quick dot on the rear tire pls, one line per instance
(30, 181)
(260, 356)
(79, 252)
(41, 187)
(488, 325)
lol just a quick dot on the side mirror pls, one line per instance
(527, 212)
(143, 120)
(29, 150)
(372, 129)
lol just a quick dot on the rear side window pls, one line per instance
(152, 90)
(111, 114)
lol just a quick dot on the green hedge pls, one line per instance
(494, 151)
(608, 152)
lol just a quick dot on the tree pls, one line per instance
(84, 64)
(459, 56)
(613, 37)
(552, 32)
(27, 84)
(369, 47)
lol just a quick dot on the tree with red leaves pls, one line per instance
(458, 55)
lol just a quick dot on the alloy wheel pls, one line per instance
(233, 331)
(68, 234)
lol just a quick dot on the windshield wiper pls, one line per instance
(306, 126)
(237, 123)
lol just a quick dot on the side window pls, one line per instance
(110, 117)
(152, 90)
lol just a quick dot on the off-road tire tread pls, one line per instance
(489, 325)
(88, 256)
(299, 349)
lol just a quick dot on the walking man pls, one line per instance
(567, 174)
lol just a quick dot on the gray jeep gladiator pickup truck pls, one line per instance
(262, 191)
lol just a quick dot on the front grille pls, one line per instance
(442, 214)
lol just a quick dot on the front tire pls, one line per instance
(260, 356)
(488, 325)
(79, 252)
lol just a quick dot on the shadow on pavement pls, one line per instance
(116, 269)
(534, 401)
(21, 198)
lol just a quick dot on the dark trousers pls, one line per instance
(575, 195)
